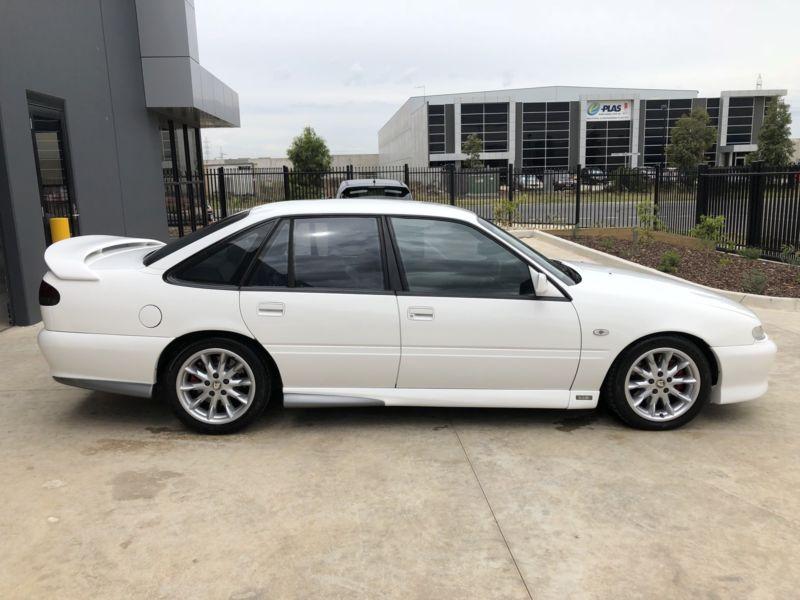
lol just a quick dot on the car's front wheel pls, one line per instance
(217, 385)
(659, 383)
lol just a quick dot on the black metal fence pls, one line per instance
(761, 206)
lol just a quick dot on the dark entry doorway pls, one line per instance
(52, 165)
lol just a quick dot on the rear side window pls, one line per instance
(271, 269)
(223, 263)
(338, 253)
(452, 259)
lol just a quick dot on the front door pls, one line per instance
(469, 319)
(318, 299)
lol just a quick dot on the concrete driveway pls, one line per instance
(107, 496)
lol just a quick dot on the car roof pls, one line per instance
(371, 183)
(371, 206)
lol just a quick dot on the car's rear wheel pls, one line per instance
(217, 385)
(659, 383)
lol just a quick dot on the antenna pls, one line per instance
(758, 82)
(221, 154)
(207, 147)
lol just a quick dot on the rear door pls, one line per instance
(318, 299)
(469, 319)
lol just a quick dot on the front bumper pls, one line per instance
(123, 364)
(743, 371)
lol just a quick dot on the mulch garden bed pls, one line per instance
(696, 263)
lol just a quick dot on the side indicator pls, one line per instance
(600, 332)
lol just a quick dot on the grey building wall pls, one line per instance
(85, 52)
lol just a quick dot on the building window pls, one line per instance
(545, 135)
(740, 121)
(605, 141)
(489, 122)
(436, 129)
(52, 162)
(661, 116)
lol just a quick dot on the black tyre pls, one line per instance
(217, 385)
(659, 383)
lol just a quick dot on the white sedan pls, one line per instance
(384, 302)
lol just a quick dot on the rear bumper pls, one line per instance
(743, 371)
(122, 364)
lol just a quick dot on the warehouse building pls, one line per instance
(100, 101)
(561, 127)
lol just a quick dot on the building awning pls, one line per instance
(181, 89)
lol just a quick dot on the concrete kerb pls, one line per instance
(751, 300)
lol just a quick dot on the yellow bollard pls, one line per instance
(59, 229)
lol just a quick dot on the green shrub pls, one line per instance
(606, 243)
(709, 229)
(750, 253)
(754, 282)
(790, 254)
(505, 211)
(725, 261)
(647, 212)
(669, 261)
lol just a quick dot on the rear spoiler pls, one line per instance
(72, 258)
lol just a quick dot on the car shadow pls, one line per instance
(154, 415)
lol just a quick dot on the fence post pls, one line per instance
(657, 190)
(452, 175)
(578, 173)
(510, 182)
(349, 172)
(286, 191)
(223, 194)
(755, 205)
(700, 205)
(406, 178)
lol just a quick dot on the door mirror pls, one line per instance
(541, 285)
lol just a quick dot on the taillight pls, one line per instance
(48, 295)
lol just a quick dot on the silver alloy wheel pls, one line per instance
(662, 384)
(215, 386)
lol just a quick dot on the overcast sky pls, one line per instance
(344, 66)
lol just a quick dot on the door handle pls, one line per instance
(420, 313)
(271, 309)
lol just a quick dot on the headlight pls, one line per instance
(758, 333)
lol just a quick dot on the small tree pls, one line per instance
(472, 147)
(310, 158)
(691, 137)
(775, 138)
(309, 152)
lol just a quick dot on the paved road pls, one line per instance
(107, 496)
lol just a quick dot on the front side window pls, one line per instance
(223, 263)
(340, 253)
(453, 259)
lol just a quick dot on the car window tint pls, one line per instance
(453, 259)
(272, 265)
(225, 262)
(192, 237)
(337, 252)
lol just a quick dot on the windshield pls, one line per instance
(556, 268)
(184, 241)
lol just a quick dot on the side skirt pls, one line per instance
(321, 397)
